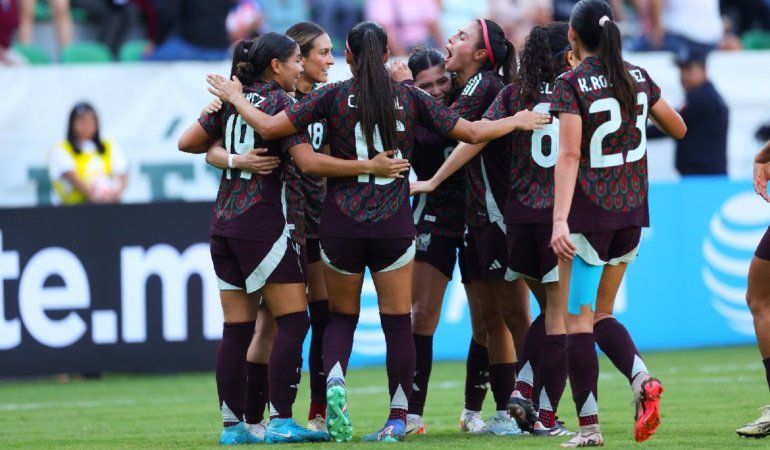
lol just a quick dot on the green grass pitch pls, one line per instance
(708, 394)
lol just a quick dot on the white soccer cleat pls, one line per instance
(758, 428)
(471, 422)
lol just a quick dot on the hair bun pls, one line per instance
(603, 20)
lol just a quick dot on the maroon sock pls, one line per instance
(583, 369)
(423, 346)
(319, 318)
(476, 376)
(400, 358)
(553, 375)
(613, 339)
(766, 362)
(231, 369)
(256, 392)
(338, 340)
(502, 377)
(284, 370)
(529, 358)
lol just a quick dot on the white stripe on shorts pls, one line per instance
(259, 276)
(328, 262)
(225, 286)
(403, 260)
(589, 255)
(551, 277)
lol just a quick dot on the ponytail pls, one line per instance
(375, 101)
(617, 75)
(501, 52)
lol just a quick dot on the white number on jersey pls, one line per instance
(239, 139)
(552, 131)
(363, 152)
(611, 105)
(316, 132)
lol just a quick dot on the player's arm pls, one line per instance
(762, 171)
(251, 161)
(667, 119)
(231, 91)
(463, 153)
(487, 130)
(565, 174)
(194, 140)
(319, 164)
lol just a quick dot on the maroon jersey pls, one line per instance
(249, 206)
(487, 173)
(442, 211)
(313, 187)
(611, 189)
(296, 202)
(366, 206)
(533, 155)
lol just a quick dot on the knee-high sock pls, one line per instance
(476, 376)
(766, 362)
(338, 341)
(284, 370)
(400, 361)
(583, 369)
(502, 377)
(613, 339)
(423, 346)
(529, 358)
(553, 377)
(319, 318)
(231, 370)
(256, 392)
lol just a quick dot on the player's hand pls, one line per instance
(530, 120)
(560, 241)
(399, 71)
(214, 106)
(384, 165)
(761, 176)
(253, 161)
(422, 187)
(226, 90)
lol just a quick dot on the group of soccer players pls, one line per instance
(554, 191)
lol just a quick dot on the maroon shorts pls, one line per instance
(530, 253)
(313, 247)
(438, 251)
(609, 247)
(351, 256)
(486, 253)
(763, 249)
(249, 265)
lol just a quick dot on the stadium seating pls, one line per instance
(32, 53)
(86, 52)
(131, 51)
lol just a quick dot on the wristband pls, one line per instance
(230, 161)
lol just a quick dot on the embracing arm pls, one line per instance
(667, 119)
(762, 171)
(463, 153)
(565, 175)
(251, 161)
(194, 140)
(487, 130)
(319, 164)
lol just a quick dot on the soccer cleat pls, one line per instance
(393, 431)
(522, 411)
(501, 425)
(237, 434)
(557, 430)
(589, 436)
(647, 407)
(287, 430)
(471, 422)
(414, 424)
(258, 429)
(337, 417)
(317, 423)
(758, 428)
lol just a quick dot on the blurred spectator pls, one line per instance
(60, 13)
(455, 14)
(518, 17)
(192, 30)
(114, 19)
(337, 17)
(745, 15)
(673, 24)
(9, 21)
(703, 150)
(409, 23)
(85, 168)
(245, 20)
(281, 14)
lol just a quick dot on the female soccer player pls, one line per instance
(758, 294)
(600, 207)
(367, 220)
(528, 215)
(252, 250)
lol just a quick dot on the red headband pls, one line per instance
(486, 41)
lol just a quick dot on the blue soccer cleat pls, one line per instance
(237, 434)
(337, 418)
(284, 431)
(393, 431)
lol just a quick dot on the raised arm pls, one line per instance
(487, 130)
(319, 164)
(565, 175)
(667, 119)
(231, 91)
